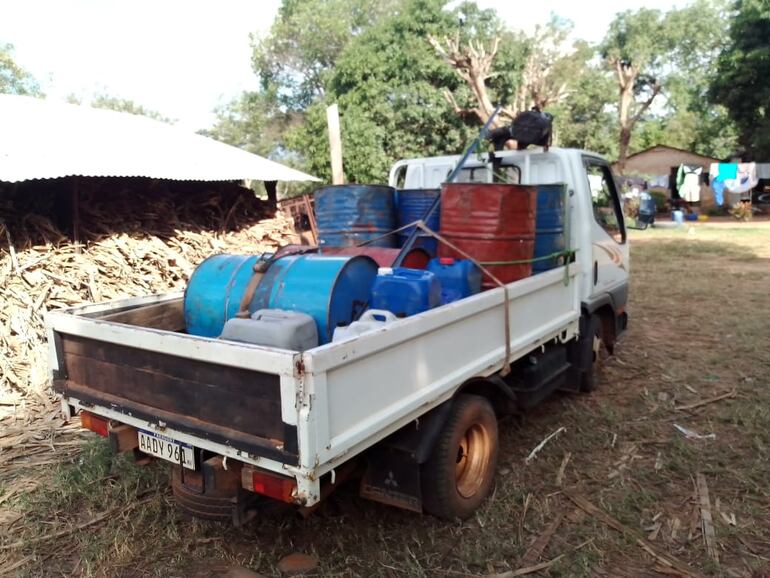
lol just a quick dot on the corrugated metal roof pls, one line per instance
(42, 139)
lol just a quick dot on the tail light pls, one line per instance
(95, 423)
(268, 484)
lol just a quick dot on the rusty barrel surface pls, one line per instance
(492, 223)
(416, 258)
(351, 214)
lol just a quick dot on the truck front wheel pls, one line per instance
(459, 474)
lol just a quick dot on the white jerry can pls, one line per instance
(369, 321)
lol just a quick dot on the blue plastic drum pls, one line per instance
(214, 292)
(549, 227)
(412, 206)
(333, 290)
(348, 215)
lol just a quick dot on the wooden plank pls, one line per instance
(335, 144)
(238, 399)
(257, 446)
(168, 316)
(536, 549)
(123, 438)
(664, 558)
(709, 535)
(311, 218)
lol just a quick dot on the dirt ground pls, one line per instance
(621, 491)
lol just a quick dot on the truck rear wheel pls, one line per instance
(211, 505)
(459, 474)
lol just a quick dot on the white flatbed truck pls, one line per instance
(410, 407)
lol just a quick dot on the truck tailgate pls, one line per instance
(230, 396)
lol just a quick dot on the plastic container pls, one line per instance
(371, 320)
(332, 290)
(274, 328)
(493, 223)
(677, 216)
(405, 292)
(549, 227)
(417, 258)
(214, 292)
(351, 214)
(411, 206)
(459, 278)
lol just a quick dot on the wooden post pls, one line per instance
(272, 194)
(75, 214)
(311, 218)
(335, 144)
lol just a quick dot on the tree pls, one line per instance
(126, 105)
(254, 122)
(653, 53)
(388, 83)
(586, 119)
(742, 79)
(307, 36)
(13, 78)
(635, 47)
(489, 60)
(514, 70)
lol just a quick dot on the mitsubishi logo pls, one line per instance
(391, 480)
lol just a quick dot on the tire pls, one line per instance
(459, 474)
(216, 506)
(591, 349)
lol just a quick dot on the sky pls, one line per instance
(182, 58)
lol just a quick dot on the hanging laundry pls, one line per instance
(688, 182)
(719, 173)
(745, 178)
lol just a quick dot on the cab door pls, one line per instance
(609, 247)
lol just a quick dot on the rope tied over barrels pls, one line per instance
(482, 265)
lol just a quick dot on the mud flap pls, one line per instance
(392, 478)
(393, 467)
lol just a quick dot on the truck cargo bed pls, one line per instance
(298, 413)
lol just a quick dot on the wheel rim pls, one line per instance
(472, 460)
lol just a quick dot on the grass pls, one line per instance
(700, 321)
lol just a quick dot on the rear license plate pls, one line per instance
(165, 448)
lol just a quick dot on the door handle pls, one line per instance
(596, 272)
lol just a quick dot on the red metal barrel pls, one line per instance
(492, 223)
(416, 258)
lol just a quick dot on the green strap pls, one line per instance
(534, 260)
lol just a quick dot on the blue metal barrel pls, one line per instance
(214, 292)
(333, 290)
(549, 226)
(412, 206)
(351, 214)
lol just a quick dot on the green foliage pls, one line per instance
(640, 38)
(13, 78)
(294, 58)
(253, 122)
(388, 83)
(126, 105)
(742, 79)
(675, 51)
(586, 118)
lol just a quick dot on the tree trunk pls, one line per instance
(626, 79)
(624, 142)
(272, 194)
